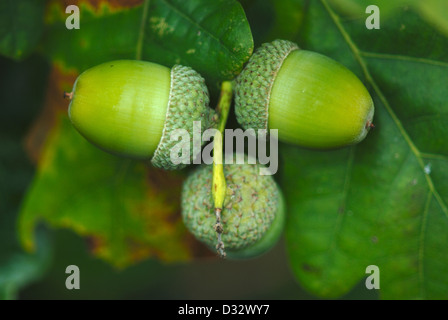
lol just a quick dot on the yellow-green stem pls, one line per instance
(219, 186)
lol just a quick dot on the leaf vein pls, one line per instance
(341, 211)
(428, 117)
(141, 34)
(386, 56)
(434, 156)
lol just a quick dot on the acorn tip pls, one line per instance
(68, 95)
(369, 125)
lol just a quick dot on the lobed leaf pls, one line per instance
(383, 202)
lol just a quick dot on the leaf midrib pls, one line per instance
(141, 33)
(388, 56)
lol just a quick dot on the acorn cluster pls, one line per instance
(131, 108)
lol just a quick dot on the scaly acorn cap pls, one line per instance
(188, 102)
(253, 214)
(130, 108)
(311, 99)
(254, 83)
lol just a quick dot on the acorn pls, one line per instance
(130, 108)
(253, 214)
(312, 100)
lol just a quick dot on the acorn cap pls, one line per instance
(253, 213)
(254, 83)
(188, 102)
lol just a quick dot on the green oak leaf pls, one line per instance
(384, 201)
(274, 19)
(288, 19)
(127, 210)
(19, 268)
(212, 37)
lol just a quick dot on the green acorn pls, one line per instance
(311, 99)
(130, 108)
(253, 214)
